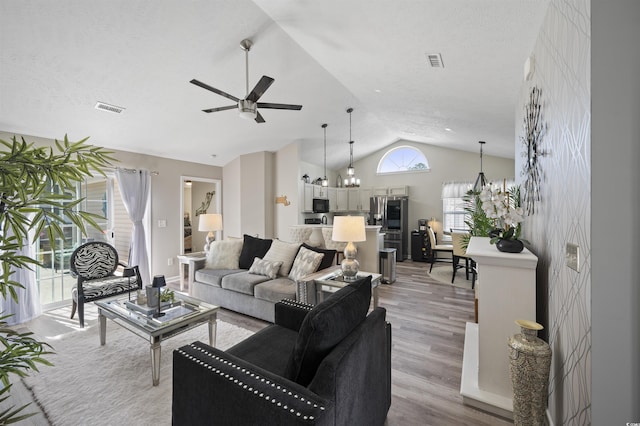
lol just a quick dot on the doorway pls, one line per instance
(197, 196)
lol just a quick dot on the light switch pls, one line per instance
(162, 223)
(573, 256)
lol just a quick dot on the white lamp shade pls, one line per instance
(210, 222)
(348, 229)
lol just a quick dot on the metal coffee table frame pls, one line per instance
(156, 330)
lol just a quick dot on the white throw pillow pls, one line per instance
(224, 254)
(283, 252)
(306, 262)
(265, 267)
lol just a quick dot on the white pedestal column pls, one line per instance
(506, 292)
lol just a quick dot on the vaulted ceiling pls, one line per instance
(58, 59)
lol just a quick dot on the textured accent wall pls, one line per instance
(562, 71)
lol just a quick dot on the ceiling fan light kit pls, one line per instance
(247, 107)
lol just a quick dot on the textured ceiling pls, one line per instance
(57, 59)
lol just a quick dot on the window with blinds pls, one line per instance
(453, 213)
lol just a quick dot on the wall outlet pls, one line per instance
(573, 256)
(162, 223)
(170, 261)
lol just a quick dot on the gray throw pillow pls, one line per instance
(265, 267)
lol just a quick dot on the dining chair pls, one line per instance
(460, 252)
(438, 248)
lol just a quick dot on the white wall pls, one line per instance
(615, 105)
(286, 184)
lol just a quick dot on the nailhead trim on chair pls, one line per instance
(249, 388)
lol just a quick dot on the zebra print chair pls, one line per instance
(94, 264)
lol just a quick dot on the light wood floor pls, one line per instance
(428, 321)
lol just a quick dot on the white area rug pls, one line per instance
(443, 274)
(91, 384)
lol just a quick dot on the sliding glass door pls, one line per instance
(103, 198)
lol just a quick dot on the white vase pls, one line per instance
(530, 361)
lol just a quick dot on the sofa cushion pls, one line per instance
(275, 290)
(325, 326)
(265, 267)
(224, 254)
(242, 282)
(283, 252)
(307, 262)
(329, 255)
(214, 276)
(252, 247)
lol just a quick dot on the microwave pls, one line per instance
(320, 205)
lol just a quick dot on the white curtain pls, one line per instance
(455, 189)
(28, 305)
(135, 189)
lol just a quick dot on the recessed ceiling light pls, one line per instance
(213, 155)
(110, 108)
(377, 90)
(448, 129)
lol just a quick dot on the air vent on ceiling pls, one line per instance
(435, 60)
(111, 108)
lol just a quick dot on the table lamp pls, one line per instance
(210, 222)
(158, 282)
(349, 229)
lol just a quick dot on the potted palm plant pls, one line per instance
(27, 173)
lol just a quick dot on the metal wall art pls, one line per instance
(534, 130)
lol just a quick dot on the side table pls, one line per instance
(190, 261)
(334, 281)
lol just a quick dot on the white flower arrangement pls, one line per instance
(505, 209)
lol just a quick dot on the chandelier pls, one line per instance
(351, 181)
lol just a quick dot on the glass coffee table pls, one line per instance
(182, 315)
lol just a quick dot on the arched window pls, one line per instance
(402, 159)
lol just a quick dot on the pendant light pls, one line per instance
(481, 182)
(325, 182)
(351, 180)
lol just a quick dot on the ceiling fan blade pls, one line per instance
(214, 90)
(259, 118)
(279, 106)
(224, 108)
(260, 88)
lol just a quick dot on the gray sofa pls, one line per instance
(242, 290)
(323, 365)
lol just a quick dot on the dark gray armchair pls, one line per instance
(323, 365)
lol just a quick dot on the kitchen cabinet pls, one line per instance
(320, 191)
(342, 199)
(380, 190)
(398, 190)
(359, 199)
(332, 193)
(307, 197)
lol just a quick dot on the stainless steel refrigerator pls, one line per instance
(391, 213)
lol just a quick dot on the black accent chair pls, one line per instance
(94, 264)
(323, 365)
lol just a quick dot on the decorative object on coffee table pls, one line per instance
(158, 282)
(349, 229)
(210, 222)
(530, 361)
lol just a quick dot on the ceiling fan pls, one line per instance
(248, 106)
